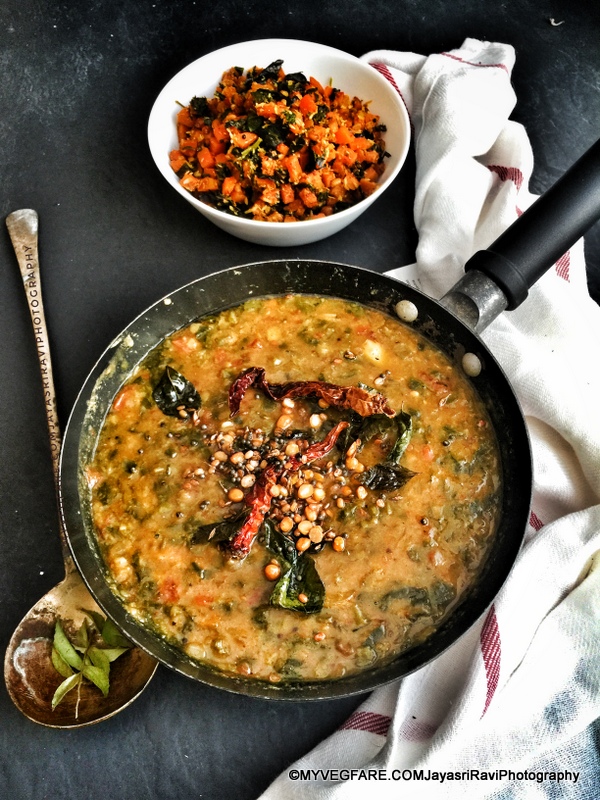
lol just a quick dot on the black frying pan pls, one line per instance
(495, 279)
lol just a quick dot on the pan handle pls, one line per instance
(500, 277)
(555, 221)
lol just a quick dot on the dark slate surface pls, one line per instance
(78, 81)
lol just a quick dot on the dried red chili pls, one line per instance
(355, 398)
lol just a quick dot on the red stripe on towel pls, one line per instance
(535, 522)
(489, 641)
(414, 731)
(563, 266)
(367, 721)
(384, 70)
(475, 63)
(513, 174)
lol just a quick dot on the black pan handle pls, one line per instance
(554, 222)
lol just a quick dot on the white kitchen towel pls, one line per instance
(507, 711)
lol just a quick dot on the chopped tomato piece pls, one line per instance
(168, 591)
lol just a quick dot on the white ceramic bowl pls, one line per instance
(356, 78)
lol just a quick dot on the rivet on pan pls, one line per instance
(407, 311)
(471, 365)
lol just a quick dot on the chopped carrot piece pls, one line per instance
(207, 185)
(343, 136)
(242, 138)
(294, 169)
(184, 118)
(308, 105)
(287, 193)
(205, 158)
(308, 197)
(229, 184)
(177, 160)
(367, 187)
(361, 143)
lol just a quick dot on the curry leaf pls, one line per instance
(389, 476)
(404, 432)
(112, 653)
(81, 640)
(415, 595)
(99, 659)
(279, 544)
(112, 636)
(200, 106)
(300, 576)
(271, 71)
(222, 531)
(97, 619)
(386, 477)
(94, 664)
(97, 676)
(66, 686)
(60, 665)
(65, 649)
(174, 393)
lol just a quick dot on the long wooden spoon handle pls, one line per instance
(23, 230)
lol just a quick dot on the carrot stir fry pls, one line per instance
(277, 147)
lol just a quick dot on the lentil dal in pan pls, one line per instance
(358, 563)
(306, 536)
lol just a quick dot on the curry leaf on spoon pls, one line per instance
(60, 665)
(66, 686)
(112, 636)
(65, 649)
(99, 659)
(94, 662)
(97, 676)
